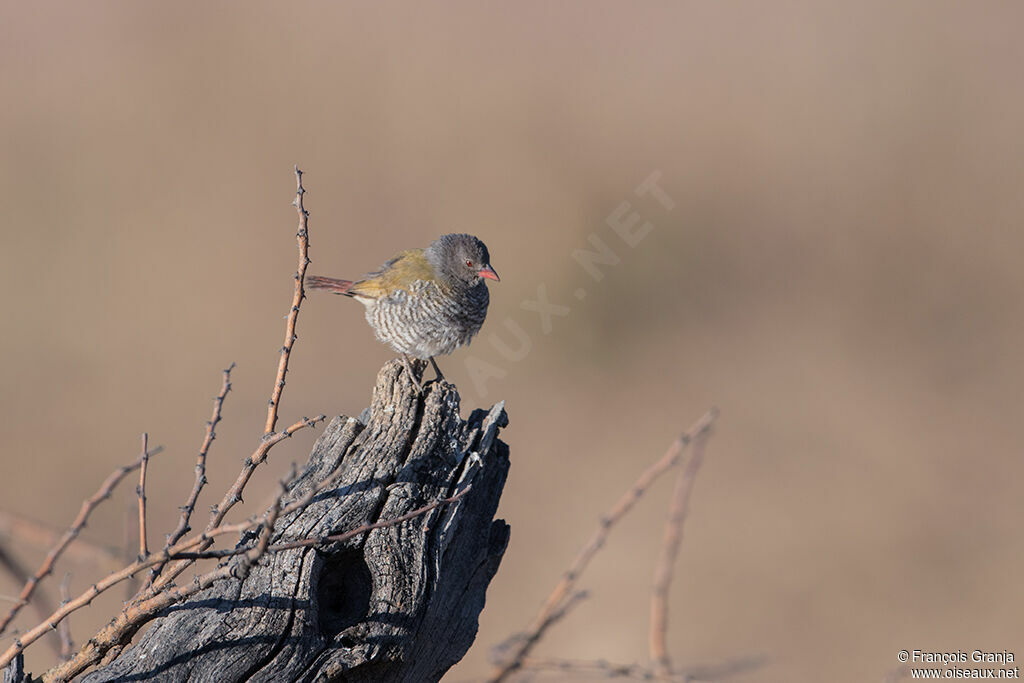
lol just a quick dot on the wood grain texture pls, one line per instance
(395, 604)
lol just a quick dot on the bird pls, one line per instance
(424, 302)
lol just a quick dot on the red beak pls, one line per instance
(488, 273)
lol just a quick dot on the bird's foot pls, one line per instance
(409, 368)
(440, 375)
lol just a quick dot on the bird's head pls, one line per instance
(461, 258)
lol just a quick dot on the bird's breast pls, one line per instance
(427, 319)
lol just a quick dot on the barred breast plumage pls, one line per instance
(424, 302)
(425, 321)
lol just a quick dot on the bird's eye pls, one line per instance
(469, 263)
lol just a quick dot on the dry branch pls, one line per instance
(669, 551)
(76, 527)
(513, 651)
(146, 606)
(396, 513)
(270, 437)
(211, 434)
(302, 237)
(141, 492)
(42, 604)
(25, 531)
(606, 669)
(396, 600)
(67, 646)
(200, 481)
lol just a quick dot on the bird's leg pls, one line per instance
(412, 373)
(440, 375)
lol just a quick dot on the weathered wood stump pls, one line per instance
(398, 603)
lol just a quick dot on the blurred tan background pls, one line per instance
(840, 275)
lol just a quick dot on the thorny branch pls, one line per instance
(514, 651)
(193, 496)
(76, 527)
(147, 597)
(233, 496)
(141, 491)
(42, 605)
(179, 550)
(143, 609)
(302, 236)
(270, 438)
(669, 552)
(97, 646)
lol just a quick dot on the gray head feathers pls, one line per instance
(460, 259)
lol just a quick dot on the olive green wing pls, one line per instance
(398, 273)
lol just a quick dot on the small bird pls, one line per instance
(424, 302)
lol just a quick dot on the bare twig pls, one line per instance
(211, 434)
(129, 522)
(298, 504)
(193, 496)
(43, 536)
(139, 607)
(181, 551)
(50, 623)
(597, 667)
(525, 642)
(293, 315)
(669, 552)
(115, 578)
(605, 669)
(67, 645)
(42, 605)
(233, 496)
(83, 516)
(141, 491)
(270, 438)
(140, 611)
(97, 646)
(259, 456)
(500, 653)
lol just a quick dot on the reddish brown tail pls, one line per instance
(329, 284)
